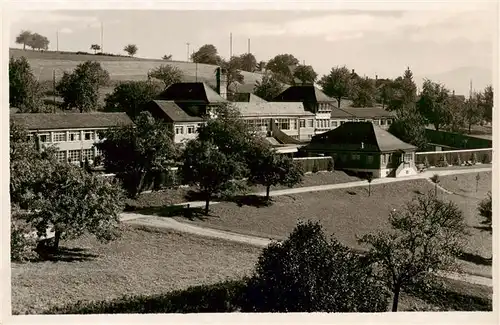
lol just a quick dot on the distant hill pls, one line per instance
(459, 79)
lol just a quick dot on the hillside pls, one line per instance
(120, 68)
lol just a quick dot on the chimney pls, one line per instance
(221, 79)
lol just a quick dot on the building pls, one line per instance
(183, 126)
(74, 134)
(314, 100)
(364, 147)
(376, 115)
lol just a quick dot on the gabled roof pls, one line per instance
(54, 121)
(360, 136)
(247, 97)
(271, 109)
(174, 112)
(303, 93)
(368, 112)
(191, 91)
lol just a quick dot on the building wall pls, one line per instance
(354, 159)
(383, 122)
(298, 127)
(185, 131)
(336, 122)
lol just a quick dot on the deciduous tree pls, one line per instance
(363, 93)
(168, 74)
(131, 97)
(232, 69)
(486, 103)
(248, 62)
(305, 73)
(206, 54)
(426, 237)
(432, 104)
(131, 49)
(38, 42)
(281, 66)
(485, 211)
(25, 92)
(133, 151)
(338, 83)
(167, 57)
(24, 38)
(80, 89)
(307, 272)
(95, 48)
(269, 87)
(409, 126)
(403, 92)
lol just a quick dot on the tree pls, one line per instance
(233, 71)
(460, 112)
(435, 179)
(208, 168)
(80, 89)
(131, 49)
(363, 93)
(306, 74)
(270, 168)
(95, 48)
(25, 92)
(337, 84)
(72, 202)
(248, 62)
(206, 54)
(261, 66)
(409, 126)
(307, 272)
(486, 103)
(24, 38)
(384, 91)
(485, 211)
(432, 104)
(38, 42)
(426, 237)
(134, 151)
(369, 179)
(269, 87)
(168, 74)
(131, 97)
(281, 66)
(403, 91)
(167, 57)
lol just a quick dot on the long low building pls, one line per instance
(74, 134)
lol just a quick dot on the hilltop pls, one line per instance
(120, 68)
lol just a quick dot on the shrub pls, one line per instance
(329, 166)
(23, 240)
(442, 161)
(458, 160)
(485, 159)
(216, 298)
(309, 273)
(473, 158)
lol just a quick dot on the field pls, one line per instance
(143, 261)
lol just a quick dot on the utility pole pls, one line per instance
(57, 40)
(187, 51)
(230, 45)
(54, 86)
(249, 46)
(470, 89)
(196, 71)
(102, 37)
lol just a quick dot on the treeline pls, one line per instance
(33, 40)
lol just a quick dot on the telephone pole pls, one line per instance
(249, 46)
(230, 45)
(57, 40)
(102, 37)
(187, 51)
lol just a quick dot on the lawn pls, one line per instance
(143, 261)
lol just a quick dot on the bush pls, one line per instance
(309, 273)
(442, 161)
(329, 166)
(485, 159)
(458, 160)
(221, 297)
(23, 240)
(473, 158)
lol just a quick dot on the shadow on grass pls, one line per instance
(257, 201)
(64, 254)
(418, 192)
(170, 211)
(484, 228)
(351, 193)
(474, 258)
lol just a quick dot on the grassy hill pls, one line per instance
(120, 68)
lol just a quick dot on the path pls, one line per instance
(148, 220)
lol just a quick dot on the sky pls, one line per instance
(373, 42)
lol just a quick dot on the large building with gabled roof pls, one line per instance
(365, 148)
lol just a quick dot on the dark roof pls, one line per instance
(271, 109)
(247, 97)
(193, 92)
(303, 93)
(368, 112)
(53, 121)
(362, 136)
(174, 112)
(340, 113)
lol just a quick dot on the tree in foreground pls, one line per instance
(269, 87)
(133, 151)
(168, 74)
(425, 239)
(338, 83)
(485, 211)
(208, 168)
(80, 89)
(309, 273)
(131, 49)
(25, 92)
(131, 97)
(269, 168)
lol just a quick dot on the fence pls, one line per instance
(315, 164)
(454, 157)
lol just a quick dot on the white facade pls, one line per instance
(185, 131)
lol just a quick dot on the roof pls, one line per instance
(340, 113)
(247, 97)
(191, 91)
(174, 112)
(303, 93)
(361, 136)
(368, 112)
(271, 109)
(54, 121)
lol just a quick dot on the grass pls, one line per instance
(144, 261)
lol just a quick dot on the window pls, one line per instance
(179, 130)
(408, 157)
(98, 152)
(61, 156)
(59, 136)
(74, 136)
(382, 122)
(355, 156)
(369, 159)
(88, 135)
(283, 124)
(302, 123)
(389, 158)
(88, 153)
(190, 129)
(389, 122)
(334, 124)
(45, 137)
(74, 155)
(310, 123)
